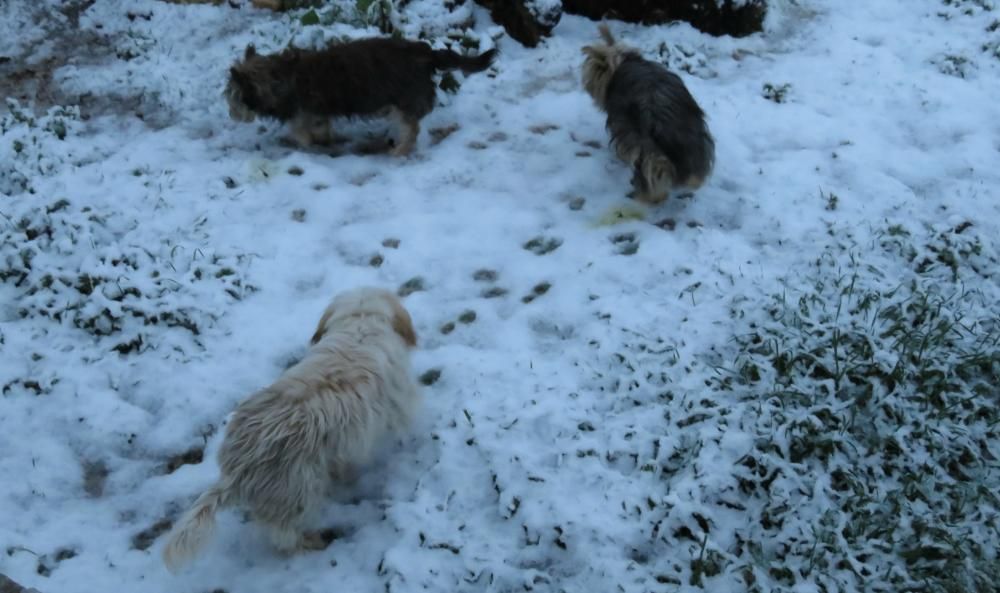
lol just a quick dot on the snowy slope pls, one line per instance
(159, 269)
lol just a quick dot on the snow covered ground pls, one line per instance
(785, 383)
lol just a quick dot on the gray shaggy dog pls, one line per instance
(375, 77)
(291, 442)
(656, 125)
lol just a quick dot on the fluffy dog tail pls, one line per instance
(445, 59)
(194, 528)
(606, 35)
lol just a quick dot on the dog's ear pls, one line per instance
(321, 328)
(249, 52)
(402, 324)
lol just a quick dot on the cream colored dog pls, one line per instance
(288, 443)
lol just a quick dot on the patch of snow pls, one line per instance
(582, 434)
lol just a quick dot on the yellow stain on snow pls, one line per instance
(621, 213)
(262, 170)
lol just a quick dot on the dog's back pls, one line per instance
(364, 77)
(651, 111)
(325, 413)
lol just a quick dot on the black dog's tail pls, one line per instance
(445, 59)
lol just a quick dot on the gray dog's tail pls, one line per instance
(606, 35)
(194, 528)
(445, 59)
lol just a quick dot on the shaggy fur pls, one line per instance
(286, 445)
(374, 77)
(655, 124)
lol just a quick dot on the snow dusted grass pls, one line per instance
(94, 268)
(785, 383)
(873, 415)
(28, 152)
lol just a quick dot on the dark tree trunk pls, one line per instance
(704, 15)
(522, 20)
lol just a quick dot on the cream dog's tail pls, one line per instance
(194, 528)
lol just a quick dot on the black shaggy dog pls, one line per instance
(375, 77)
(656, 125)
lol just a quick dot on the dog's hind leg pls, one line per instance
(301, 130)
(285, 538)
(320, 131)
(653, 178)
(409, 129)
(311, 130)
(290, 540)
(314, 540)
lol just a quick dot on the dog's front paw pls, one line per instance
(313, 541)
(401, 150)
(647, 197)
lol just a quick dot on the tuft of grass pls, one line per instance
(309, 18)
(778, 93)
(955, 65)
(377, 13)
(831, 199)
(449, 83)
(33, 146)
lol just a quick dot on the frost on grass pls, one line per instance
(844, 440)
(95, 271)
(869, 397)
(360, 13)
(963, 66)
(777, 93)
(31, 146)
(677, 56)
